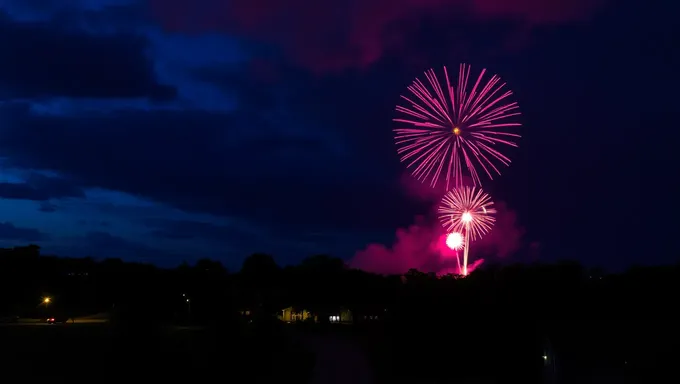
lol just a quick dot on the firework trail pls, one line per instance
(469, 211)
(455, 127)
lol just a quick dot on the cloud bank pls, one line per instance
(331, 35)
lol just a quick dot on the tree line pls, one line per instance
(537, 317)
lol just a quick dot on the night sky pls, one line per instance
(170, 130)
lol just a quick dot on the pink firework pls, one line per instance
(456, 126)
(467, 209)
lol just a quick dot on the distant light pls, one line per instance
(46, 300)
(545, 357)
(187, 300)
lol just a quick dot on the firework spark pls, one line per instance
(467, 207)
(454, 127)
(455, 241)
(469, 211)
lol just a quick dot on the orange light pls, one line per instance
(456, 131)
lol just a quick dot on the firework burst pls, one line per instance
(467, 207)
(448, 129)
(469, 211)
(455, 241)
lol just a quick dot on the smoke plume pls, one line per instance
(422, 245)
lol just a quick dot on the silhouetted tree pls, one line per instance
(499, 321)
(258, 284)
(321, 287)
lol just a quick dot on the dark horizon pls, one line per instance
(139, 130)
(520, 262)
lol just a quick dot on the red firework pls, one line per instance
(456, 127)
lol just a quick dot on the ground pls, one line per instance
(92, 351)
(337, 359)
(83, 352)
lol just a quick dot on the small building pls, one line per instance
(292, 315)
(343, 315)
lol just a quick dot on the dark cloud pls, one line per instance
(47, 207)
(106, 244)
(333, 35)
(254, 83)
(9, 232)
(43, 60)
(187, 229)
(538, 11)
(102, 245)
(208, 162)
(94, 223)
(105, 240)
(40, 188)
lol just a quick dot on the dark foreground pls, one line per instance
(86, 353)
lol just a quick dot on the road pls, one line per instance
(338, 360)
